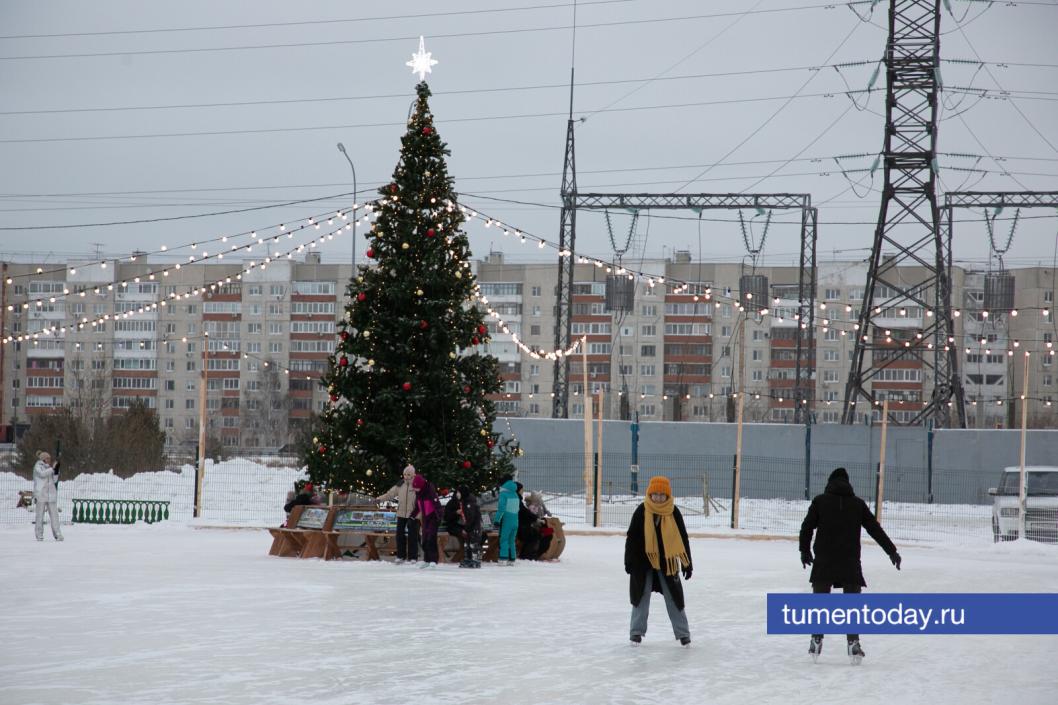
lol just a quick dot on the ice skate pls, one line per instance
(856, 653)
(815, 648)
(685, 642)
(635, 640)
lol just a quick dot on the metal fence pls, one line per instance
(942, 504)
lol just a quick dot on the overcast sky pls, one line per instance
(745, 98)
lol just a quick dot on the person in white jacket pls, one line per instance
(47, 496)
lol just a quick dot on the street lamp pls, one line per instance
(341, 148)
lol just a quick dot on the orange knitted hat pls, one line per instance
(661, 484)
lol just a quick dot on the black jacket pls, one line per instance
(836, 517)
(472, 518)
(453, 524)
(637, 565)
(301, 498)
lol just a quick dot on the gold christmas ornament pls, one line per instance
(367, 334)
(418, 292)
(315, 439)
(369, 472)
(484, 432)
(452, 355)
(404, 245)
(370, 363)
(459, 275)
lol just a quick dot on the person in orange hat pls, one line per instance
(656, 551)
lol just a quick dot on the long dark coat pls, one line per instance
(637, 565)
(836, 517)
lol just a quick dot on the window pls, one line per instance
(647, 350)
(725, 310)
(830, 355)
(534, 330)
(254, 290)
(831, 334)
(647, 410)
(725, 372)
(275, 329)
(492, 289)
(692, 309)
(687, 329)
(280, 290)
(757, 375)
(832, 294)
(275, 348)
(312, 308)
(649, 310)
(275, 309)
(189, 404)
(648, 331)
(170, 385)
(253, 328)
(232, 307)
(725, 331)
(318, 327)
(599, 348)
(830, 375)
(309, 289)
(648, 370)
(755, 355)
(535, 291)
(254, 347)
(170, 404)
(1048, 296)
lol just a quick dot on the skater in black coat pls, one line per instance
(836, 517)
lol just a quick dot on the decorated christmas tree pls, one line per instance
(408, 381)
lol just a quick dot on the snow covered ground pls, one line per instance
(169, 613)
(251, 492)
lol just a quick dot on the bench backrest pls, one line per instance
(365, 521)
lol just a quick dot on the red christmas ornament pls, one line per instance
(392, 188)
(430, 232)
(359, 422)
(334, 397)
(343, 361)
(474, 340)
(345, 335)
(489, 443)
(361, 296)
(323, 449)
(466, 464)
(466, 389)
(482, 330)
(370, 252)
(406, 386)
(426, 130)
(424, 325)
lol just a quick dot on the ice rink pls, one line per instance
(174, 614)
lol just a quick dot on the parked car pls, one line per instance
(1041, 504)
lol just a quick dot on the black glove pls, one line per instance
(687, 573)
(806, 559)
(628, 569)
(895, 558)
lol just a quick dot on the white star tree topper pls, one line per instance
(421, 63)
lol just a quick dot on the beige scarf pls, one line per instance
(675, 551)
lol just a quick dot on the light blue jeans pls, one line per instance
(641, 611)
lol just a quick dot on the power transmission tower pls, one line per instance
(909, 230)
(566, 246)
(804, 389)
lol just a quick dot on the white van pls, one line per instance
(1041, 504)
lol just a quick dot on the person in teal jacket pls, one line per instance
(507, 519)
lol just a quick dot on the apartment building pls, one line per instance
(678, 356)
(264, 337)
(664, 354)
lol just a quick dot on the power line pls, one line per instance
(273, 130)
(304, 23)
(450, 35)
(176, 217)
(403, 96)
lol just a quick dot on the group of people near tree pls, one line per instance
(420, 516)
(657, 551)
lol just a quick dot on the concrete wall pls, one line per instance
(965, 462)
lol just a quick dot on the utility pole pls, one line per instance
(203, 383)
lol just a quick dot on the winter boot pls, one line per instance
(636, 639)
(856, 652)
(815, 648)
(685, 641)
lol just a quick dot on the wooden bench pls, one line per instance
(369, 523)
(305, 533)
